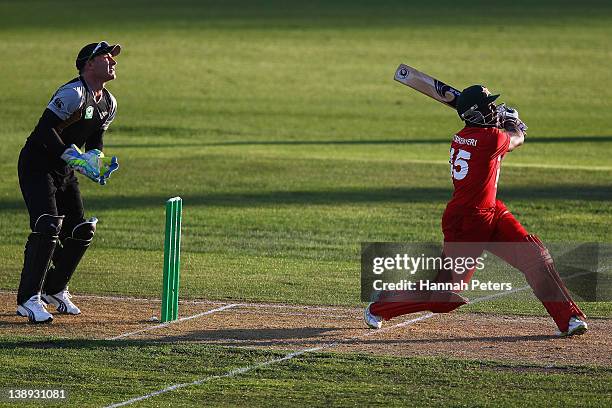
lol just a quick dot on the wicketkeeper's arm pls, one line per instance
(47, 136)
(95, 141)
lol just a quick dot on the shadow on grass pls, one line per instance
(253, 336)
(310, 336)
(320, 14)
(283, 337)
(530, 140)
(216, 337)
(338, 197)
(71, 344)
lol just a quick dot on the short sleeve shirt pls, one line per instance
(475, 161)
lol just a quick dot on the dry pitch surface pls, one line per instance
(297, 328)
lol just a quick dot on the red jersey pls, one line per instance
(475, 159)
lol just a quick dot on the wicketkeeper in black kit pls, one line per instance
(77, 115)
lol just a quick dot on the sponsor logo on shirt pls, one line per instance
(89, 112)
(58, 103)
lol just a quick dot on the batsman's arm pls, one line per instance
(512, 125)
(517, 138)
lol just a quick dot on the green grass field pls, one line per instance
(281, 128)
(358, 379)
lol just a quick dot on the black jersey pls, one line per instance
(82, 121)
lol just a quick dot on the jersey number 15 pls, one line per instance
(459, 161)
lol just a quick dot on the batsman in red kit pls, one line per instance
(474, 215)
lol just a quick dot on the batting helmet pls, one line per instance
(474, 106)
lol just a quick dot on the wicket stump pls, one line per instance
(172, 259)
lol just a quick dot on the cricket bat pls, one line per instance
(427, 85)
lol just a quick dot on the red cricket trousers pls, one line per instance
(497, 231)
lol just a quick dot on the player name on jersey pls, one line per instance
(461, 140)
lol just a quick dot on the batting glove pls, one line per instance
(509, 119)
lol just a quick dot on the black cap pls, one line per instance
(94, 49)
(474, 95)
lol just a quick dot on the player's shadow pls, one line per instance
(321, 142)
(253, 337)
(480, 339)
(230, 337)
(315, 336)
(544, 139)
(53, 343)
(281, 337)
(8, 320)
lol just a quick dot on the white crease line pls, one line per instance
(154, 300)
(182, 319)
(231, 373)
(496, 295)
(396, 326)
(305, 307)
(275, 313)
(408, 322)
(208, 302)
(246, 369)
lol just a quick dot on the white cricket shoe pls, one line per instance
(62, 302)
(373, 321)
(576, 327)
(34, 309)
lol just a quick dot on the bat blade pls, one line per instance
(427, 85)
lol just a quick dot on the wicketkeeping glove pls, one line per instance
(90, 163)
(108, 165)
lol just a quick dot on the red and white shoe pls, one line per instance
(576, 327)
(373, 321)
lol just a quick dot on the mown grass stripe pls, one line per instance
(246, 369)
